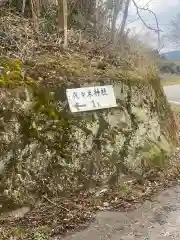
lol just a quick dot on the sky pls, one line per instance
(165, 11)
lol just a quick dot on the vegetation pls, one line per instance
(169, 67)
(165, 65)
(169, 79)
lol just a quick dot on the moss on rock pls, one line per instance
(46, 149)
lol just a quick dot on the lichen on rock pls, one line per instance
(46, 149)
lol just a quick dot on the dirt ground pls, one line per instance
(158, 219)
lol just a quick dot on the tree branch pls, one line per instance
(139, 11)
(157, 30)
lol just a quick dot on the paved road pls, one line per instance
(155, 220)
(173, 93)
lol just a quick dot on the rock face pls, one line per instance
(46, 149)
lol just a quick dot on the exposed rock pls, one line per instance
(45, 149)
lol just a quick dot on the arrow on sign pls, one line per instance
(77, 105)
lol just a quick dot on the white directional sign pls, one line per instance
(91, 98)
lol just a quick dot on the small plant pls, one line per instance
(39, 236)
(47, 22)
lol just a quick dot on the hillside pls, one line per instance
(173, 55)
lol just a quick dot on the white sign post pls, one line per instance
(91, 98)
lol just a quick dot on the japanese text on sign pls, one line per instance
(91, 98)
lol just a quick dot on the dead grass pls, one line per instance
(175, 108)
(170, 80)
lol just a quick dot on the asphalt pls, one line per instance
(158, 219)
(173, 93)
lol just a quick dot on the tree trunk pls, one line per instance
(65, 14)
(113, 26)
(60, 16)
(35, 8)
(116, 9)
(125, 15)
(23, 7)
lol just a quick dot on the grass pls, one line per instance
(170, 80)
(175, 107)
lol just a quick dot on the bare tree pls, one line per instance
(174, 34)
(35, 8)
(157, 29)
(101, 16)
(65, 15)
(117, 6)
(63, 19)
(104, 12)
(23, 7)
(60, 16)
(125, 15)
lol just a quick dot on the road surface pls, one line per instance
(155, 220)
(173, 93)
